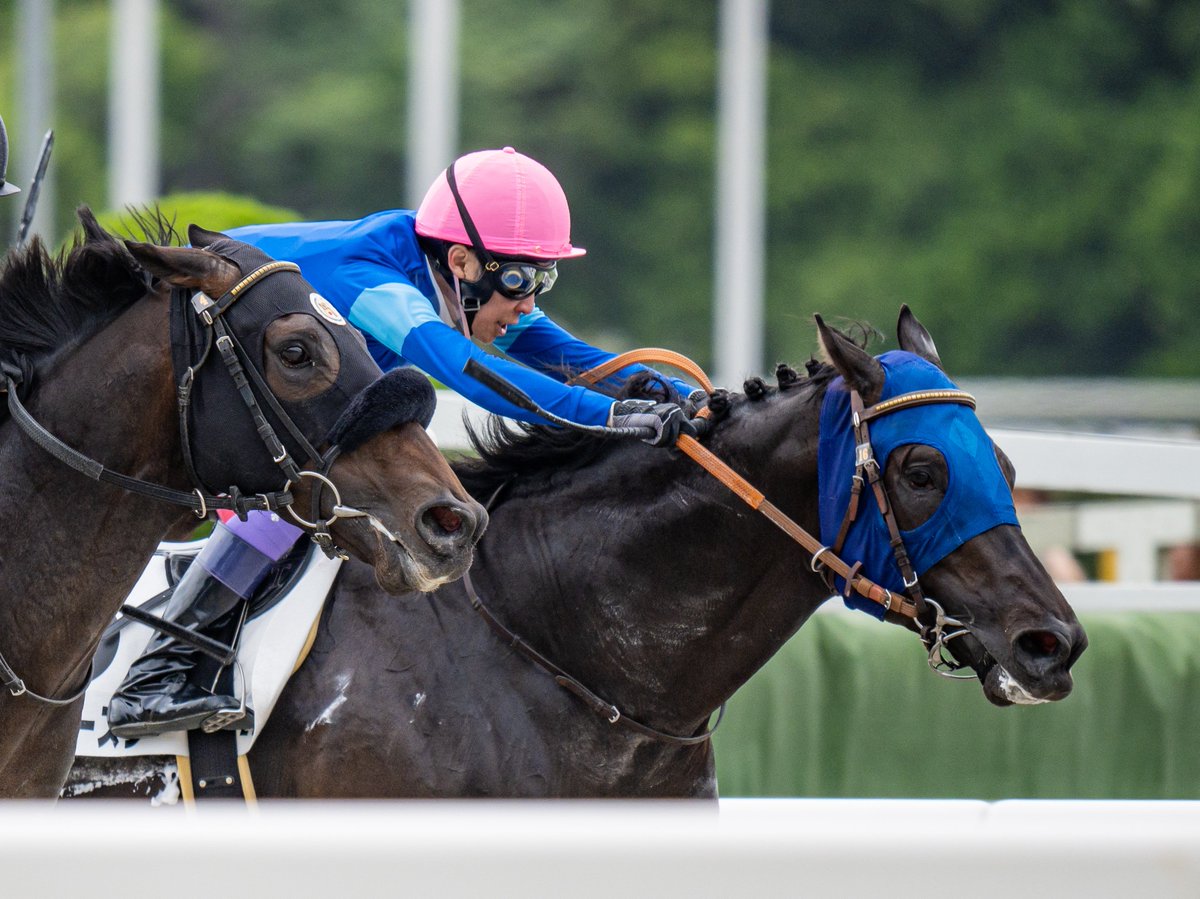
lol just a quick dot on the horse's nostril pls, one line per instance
(1039, 643)
(446, 519)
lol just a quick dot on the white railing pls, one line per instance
(1045, 460)
(895, 848)
(1103, 464)
(1136, 531)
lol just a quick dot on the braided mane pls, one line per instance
(507, 450)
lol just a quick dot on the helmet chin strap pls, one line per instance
(454, 301)
(460, 312)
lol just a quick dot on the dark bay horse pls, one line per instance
(84, 344)
(650, 583)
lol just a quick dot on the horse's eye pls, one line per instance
(919, 479)
(294, 355)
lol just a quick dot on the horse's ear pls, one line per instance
(915, 339)
(202, 237)
(186, 267)
(861, 370)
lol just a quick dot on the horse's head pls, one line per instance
(949, 489)
(275, 380)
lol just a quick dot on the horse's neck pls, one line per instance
(664, 601)
(72, 546)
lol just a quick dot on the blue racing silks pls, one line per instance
(977, 496)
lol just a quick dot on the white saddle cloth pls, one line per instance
(270, 651)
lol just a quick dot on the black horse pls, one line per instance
(650, 583)
(84, 344)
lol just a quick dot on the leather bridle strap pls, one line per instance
(240, 365)
(866, 469)
(565, 680)
(199, 502)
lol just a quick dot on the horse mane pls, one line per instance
(51, 302)
(508, 450)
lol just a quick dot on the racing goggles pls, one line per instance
(515, 280)
(518, 279)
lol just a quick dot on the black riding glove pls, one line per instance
(666, 419)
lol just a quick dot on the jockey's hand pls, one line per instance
(696, 399)
(667, 420)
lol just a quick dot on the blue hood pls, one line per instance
(977, 496)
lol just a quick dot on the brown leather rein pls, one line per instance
(824, 559)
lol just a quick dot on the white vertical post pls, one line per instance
(133, 135)
(433, 78)
(741, 158)
(35, 80)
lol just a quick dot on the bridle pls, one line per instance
(824, 560)
(866, 470)
(249, 380)
(200, 502)
(243, 371)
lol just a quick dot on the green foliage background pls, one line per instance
(1024, 173)
(214, 211)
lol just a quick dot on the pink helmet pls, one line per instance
(516, 205)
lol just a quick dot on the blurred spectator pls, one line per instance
(1059, 561)
(1183, 562)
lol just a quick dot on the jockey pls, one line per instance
(5, 187)
(468, 264)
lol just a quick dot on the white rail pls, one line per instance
(1086, 463)
(1167, 471)
(1044, 460)
(1096, 596)
(896, 848)
(1089, 463)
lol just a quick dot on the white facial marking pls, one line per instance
(1014, 692)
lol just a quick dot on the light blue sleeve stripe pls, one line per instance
(390, 312)
(515, 331)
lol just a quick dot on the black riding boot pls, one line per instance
(159, 694)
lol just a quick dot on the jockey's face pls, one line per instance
(494, 317)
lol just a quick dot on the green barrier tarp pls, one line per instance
(849, 708)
